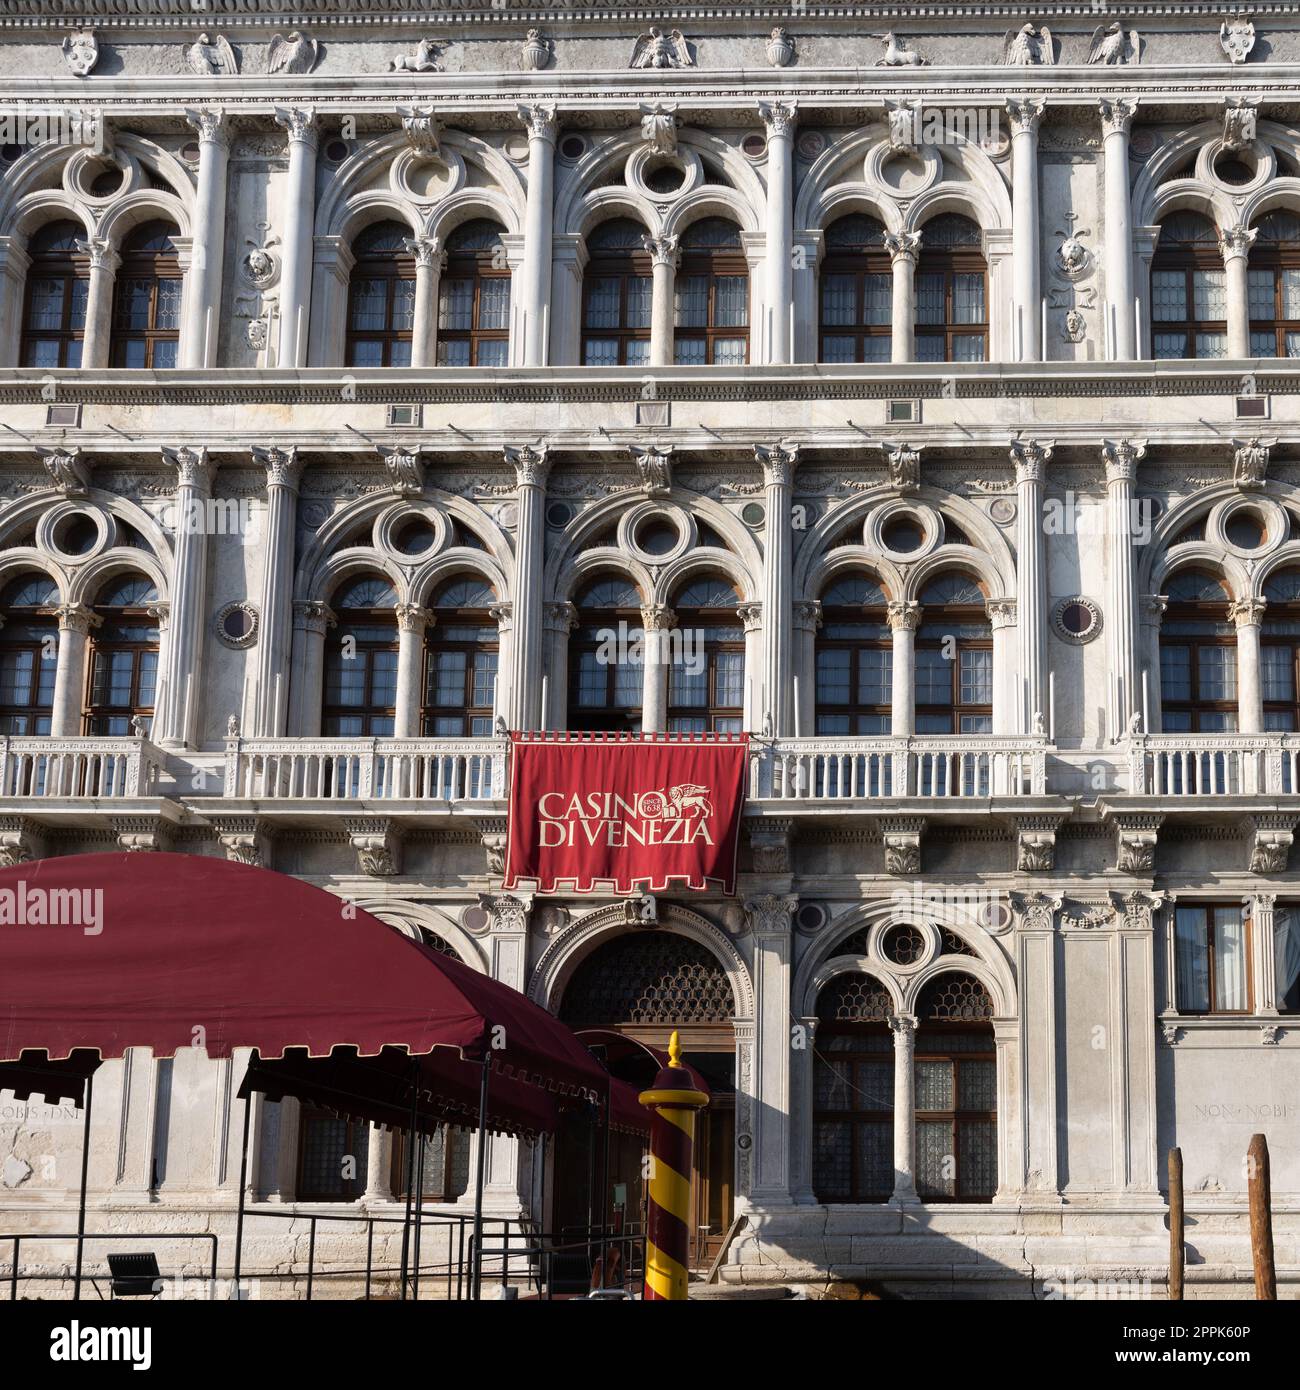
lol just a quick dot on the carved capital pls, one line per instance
(1029, 457)
(657, 617)
(561, 617)
(903, 615)
(778, 462)
(101, 254)
(539, 121)
(210, 124)
(193, 467)
(1247, 612)
(770, 914)
(1121, 457)
(1001, 611)
(283, 467)
(76, 617)
(662, 250)
(807, 614)
(1116, 115)
(779, 118)
(1035, 911)
(300, 122)
(313, 615)
(427, 252)
(530, 463)
(506, 913)
(1024, 116)
(1236, 241)
(412, 618)
(902, 246)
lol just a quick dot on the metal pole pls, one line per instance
(603, 1195)
(410, 1172)
(243, 1183)
(419, 1216)
(81, 1200)
(480, 1179)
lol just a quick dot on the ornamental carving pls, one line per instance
(377, 845)
(1029, 456)
(1136, 843)
(1240, 120)
(778, 462)
(211, 55)
(770, 914)
(656, 49)
(81, 52)
(422, 128)
(530, 463)
(904, 464)
(897, 54)
(405, 469)
(902, 841)
(1237, 38)
(423, 58)
(1250, 463)
(780, 48)
(1035, 911)
(1114, 46)
(779, 117)
(659, 128)
(903, 118)
(1029, 46)
(68, 470)
(535, 51)
(654, 468)
(1121, 457)
(1272, 838)
(293, 55)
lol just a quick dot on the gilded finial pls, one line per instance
(675, 1050)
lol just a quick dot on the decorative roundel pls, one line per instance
(996, 916)
(559, 514)
(754, 146)
(811, 917)
(810, 144)
(573, 147)
(1076, 619)
(337, 150)
(475, 919)
(1002, 510)
(752, 514)
(237, 625)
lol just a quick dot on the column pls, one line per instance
(807, 621)
(429, 264)
(542, 127)
(664, 260)
(903, 248)
(1026, 308)
(779, 118)
(802, 1100)
(569, 253)
(1235, 243)
(658, 620)
(75, 622)
(770, 921)
(379, 1163)
(299, 227)
(1263, 953)
(177, 721)
(1153, 612)
(1002, 618)
(14, 266)
(531, 468)
(331, 270)
(271, 699)
(311, 619)
(1117, 231)
(751, 617)
(203, 293)
(903, 1027)
(561, 619)
(1035, 951)
(1121, 457)
(1029, 458)
(778, 462)
(503, 614)
(412, 621)
(1247, 614)
(807, 258)
(104, 262)
(904, 618)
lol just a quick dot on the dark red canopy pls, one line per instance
(166, 951)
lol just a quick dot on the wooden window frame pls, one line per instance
(368, 712)
(955, 615)
(393, 269)
(69, 267)
(94, 715)
(1248, 920)
(153, 267)
(925, 1051)
(45, 626)
(855, 1117)
(713, 264)
(1274, 256)
(950, 262)
(356, 1141)
(476, 266)
(624, 266)
(1188, 257)
(433, 645)
(854, 709)
(1200, 612)
(629, 717)
(872, 259)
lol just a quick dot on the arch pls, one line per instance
(453, 563)
(88, 579)
(697, 564)
(406, 915)
(1200, 556)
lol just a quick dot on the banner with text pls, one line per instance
(624, 814)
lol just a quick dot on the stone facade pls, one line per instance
(1044, 850)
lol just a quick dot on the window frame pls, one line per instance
(925, 1050)
(44, 626)
(588, 616)
(369, 711)
(953, 615)
(1208, 908)
(1200, 612)
(475, 266)
(1274, 255)
(69, 267)
(434, 644)
(1189, 257)
(95, 715)
(393, 269)
(950, 262)
(153, 267)
(859, 261)
(716, 716)
(855, 709)
(712, 263)
(624, 265)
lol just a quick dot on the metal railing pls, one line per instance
(154, 1237)
(104, 768)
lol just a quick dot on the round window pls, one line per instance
(573, 147)
(77, 535)
(1076, 619)
(903, 945)
(237, 624)
(1245, 529)
(754, 146)
(903, 535)
(657, 537)
(336, 151)
(414, 537)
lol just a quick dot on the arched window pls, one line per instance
(123, 657)
(1280, 651)
(954, 659)
(616, 295)
(706, 673)
(474, 299)
(853, 1084)
(956, 1087)
(712, 313)
(147, 299)
(952, 317)
(1274, 283)
(1189, 299)
(855, 664)
(58, 284)
(460, 662)
(856, 292)
(361, 661)
(381, 298)
(605, 684)
(29, 643)
(1198, 656)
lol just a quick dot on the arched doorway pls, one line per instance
(645, 984)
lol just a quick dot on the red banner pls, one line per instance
(624, 815)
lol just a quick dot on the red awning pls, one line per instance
(166, 951)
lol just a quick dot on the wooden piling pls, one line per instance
(1177, 1245)
(1261, 1218)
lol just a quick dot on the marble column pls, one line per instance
(1248, 614)
(203, 292)
(1153, 612)
(1121, 457)
(176, 722)
(379, 1162)
(904, 618)
(299, 228)
(1235, 244)
(664, 260)
(807, 621)
(271, 700)
(311, 619)
(75, 623)
(1117, 231)
(904, 248)
(561, 619)
(1002, 619)
(104, 262)
(332, 262)
(1026, 234)
(503, 614)
(540, 122)
(657, 620)
(1029, 458)
(412, 623)
(430, 262)
(531, 467)
(770, 918)
(903, 1027)
(779, 119)
(778, 462)
(14, 266)
(803, 1100)
(751, 618)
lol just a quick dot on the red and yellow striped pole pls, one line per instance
(675, 1102)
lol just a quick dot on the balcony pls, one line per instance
(1214, 765)
(104, 769)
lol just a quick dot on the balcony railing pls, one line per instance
(850, 769)
(1214, 764)
(387, 769)
(103, 768)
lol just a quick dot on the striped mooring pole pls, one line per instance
(675, 1103)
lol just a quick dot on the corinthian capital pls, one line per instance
(426, 250)
(778, 462)
(662, 250)
(193, 467)
(299, 121)
(778, 117)
(283, 468)
(770, 914)
(1121, 457)
(904, 615)
(530, 463)
(210, 124)
(1236, 241)
(1025, 115)
(76, 617)
(1028, 456)
(902, 246)
(101, 253)
(1116, 115)
(539, 120)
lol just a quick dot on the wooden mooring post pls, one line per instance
(1177, 1246)
(1261, 1218)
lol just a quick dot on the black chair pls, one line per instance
(135, 1275)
